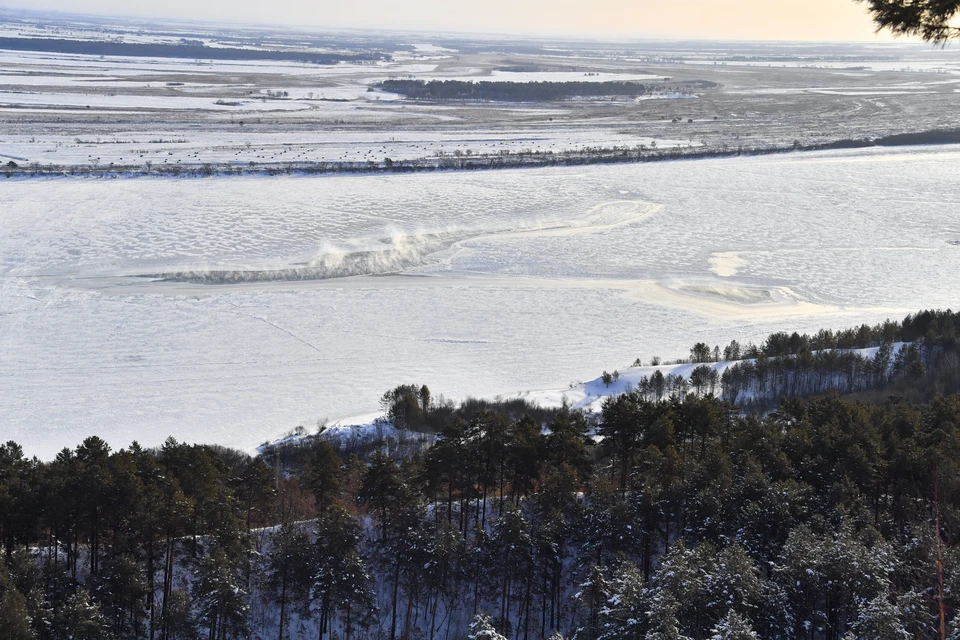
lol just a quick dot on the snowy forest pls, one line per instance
(509, 91)
(830, 514)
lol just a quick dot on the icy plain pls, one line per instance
(231, 310)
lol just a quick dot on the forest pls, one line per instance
(509, 91)
(193, 50)
(833, 514)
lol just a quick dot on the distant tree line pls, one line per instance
(188, 50)
(509, 91)
(927, 362)
(917, 358)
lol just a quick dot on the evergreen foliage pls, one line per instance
(932, 20)
(679, 516)
(509, 91)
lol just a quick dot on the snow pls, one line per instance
(221, 106)
(107, 101)
(590, 396)
(534, 279)
(497, 75)
(242, 147)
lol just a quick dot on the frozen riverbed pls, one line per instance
(230, 310)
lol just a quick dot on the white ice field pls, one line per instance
(278, 301)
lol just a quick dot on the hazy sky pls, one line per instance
(721, 19)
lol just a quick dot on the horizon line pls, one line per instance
(453, 32)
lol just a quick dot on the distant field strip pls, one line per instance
(188, 51)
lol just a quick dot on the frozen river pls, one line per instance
(231, 310)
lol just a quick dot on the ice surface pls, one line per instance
(545, 277)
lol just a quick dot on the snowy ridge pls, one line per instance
(585, 396)
(589, 396)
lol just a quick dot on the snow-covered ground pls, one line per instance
(240, 148)
(483, 284)
(586, 396)
(77, 110)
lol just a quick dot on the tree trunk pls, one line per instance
(500, 508)
(396, 592)
(167, 579)
(543, 606)
(525, 607)
(283, 600)
(150, 584)
(941, 610)
(406, 621)
(324, 613)
(349, 608)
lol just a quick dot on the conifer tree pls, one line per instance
(220, 596)
(14, 619)
(288, 570)
(481, 628)
(340, 581)
(323, 475)
(931, 20)
(79, 619)
(733, 627)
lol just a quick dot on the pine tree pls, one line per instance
(356, 600)
(662, 619)
(255, 491)
(220, 598)
(593, 594)
(932, 20)
(323, 475)
(122, 593)
(512, 547)
(733, 627)
(525, 458)
(14, 619)
(625, 596)
(879, 619)
(444, 569)
(340, 580)
(79, 619)
(288, 569)
(566, 444)
(734, 582)
(621, 428)
(678, 598)
(181, 624)
(14, 469)
(481, 628)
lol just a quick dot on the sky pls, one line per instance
(816, 20)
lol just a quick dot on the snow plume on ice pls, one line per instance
(397, 252)
(400, 252)
(393, 255)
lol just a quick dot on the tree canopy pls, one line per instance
(929, 19)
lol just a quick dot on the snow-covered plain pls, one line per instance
(71, 110)
(493, 283)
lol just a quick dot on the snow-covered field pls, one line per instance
(71, 110)
(503, 282)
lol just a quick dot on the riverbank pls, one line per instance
(473, 162)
